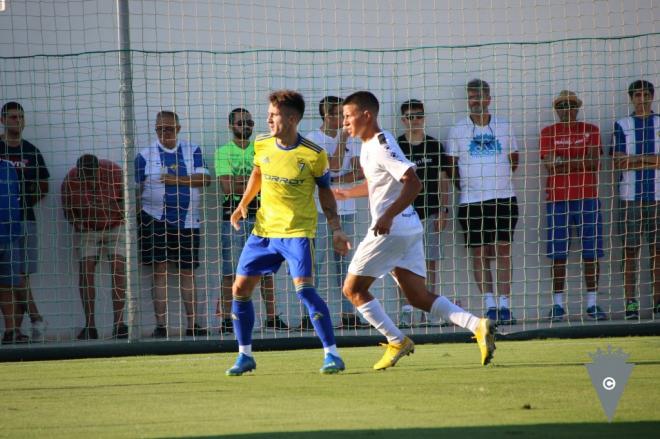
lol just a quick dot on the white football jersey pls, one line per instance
(384, 164)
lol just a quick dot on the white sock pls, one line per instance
(489, 300)
(504, 301)
(558, 299)
(331, 350)
(443, 308)
(374, 313)
(247, 350)
(591, 298)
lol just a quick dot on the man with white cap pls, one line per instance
(570, 151)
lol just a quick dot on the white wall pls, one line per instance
(205, 58)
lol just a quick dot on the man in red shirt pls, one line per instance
(93, 201)
(570, 151)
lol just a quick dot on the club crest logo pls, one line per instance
(609, 374)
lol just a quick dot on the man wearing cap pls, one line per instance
(570, 151)
(636, 153)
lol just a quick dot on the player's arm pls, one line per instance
(328, 203)
(194, 180)
(443, 187)
(251, 190)
(355, 174)
(358, 191)
(514, 159)
(411, 187)
(452, 171)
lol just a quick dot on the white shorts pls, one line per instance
(96, 244)
(378, 255)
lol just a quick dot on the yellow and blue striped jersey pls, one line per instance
(288, 179)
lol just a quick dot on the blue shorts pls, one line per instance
(265, 255)
(584, 215)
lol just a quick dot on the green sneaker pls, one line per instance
(632, 309)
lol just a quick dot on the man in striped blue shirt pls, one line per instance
(637, 156)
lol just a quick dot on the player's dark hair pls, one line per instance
(640, 85)
(11, 106)
(327, 102)
(289, 99)
(412, 105)
(234, 112)
(87, 165)
(364, 100)
(479, 85)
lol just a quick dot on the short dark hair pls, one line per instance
(364, 100)
(479, 85)
(234, 112)
(642, 85)
(327, 102)
(86, 164)
(412, 104)
(290, 99)
(168, 113)
(11, 106)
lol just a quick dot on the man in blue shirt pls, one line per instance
(171, 173)
(637, 155)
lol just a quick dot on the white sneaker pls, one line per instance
(39, 330)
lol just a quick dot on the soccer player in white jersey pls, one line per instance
(395, 241)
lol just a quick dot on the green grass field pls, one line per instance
(440, 391)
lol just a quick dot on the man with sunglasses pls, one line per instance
(484, 155)
(171, 174)
(570, 150)
(430, 160)
(233, 166)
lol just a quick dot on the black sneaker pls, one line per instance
(196, 331)
(15, 337)
(88, 333)
(226, 326)
(632, 309)
(159, 332)
(120, 331)
(305, 324)
(276, 323)
(352, 321)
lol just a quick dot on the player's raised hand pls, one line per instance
(237, 215)
(340, 242)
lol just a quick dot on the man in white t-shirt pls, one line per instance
(344, 159)
(483, 156)
(395, 241)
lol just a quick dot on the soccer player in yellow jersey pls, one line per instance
(287, 169)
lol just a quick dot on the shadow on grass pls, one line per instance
(587, 430)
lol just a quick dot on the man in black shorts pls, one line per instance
(484, 154)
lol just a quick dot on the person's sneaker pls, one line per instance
(88, 333)
(595, 313)
(491, 314)
(305, 324)
(15, 337)
(485, 336)
(332, 364)
(196, 331)
(120, 331)
(505, 317)
(394, 352)
(557, 313)
(159, 332)
(39, 330)
(632, 309)
(276, 323)
(244, 363)
(352, 321)
(226, 326)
